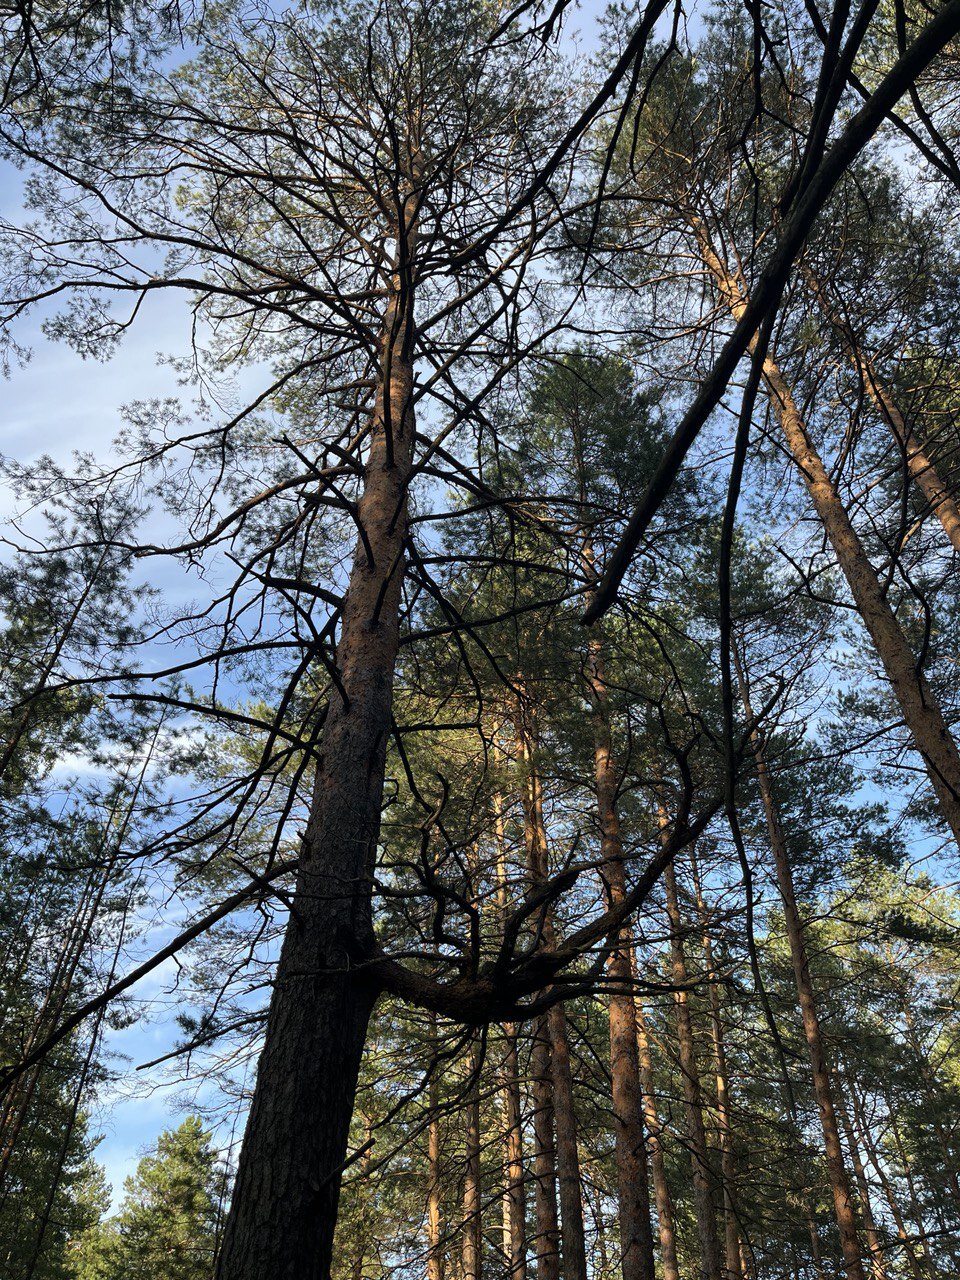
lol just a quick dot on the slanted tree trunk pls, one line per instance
(820, 1071)
(732, 1247)
(919, 464)
(661, 1188)
(284, 1206)
(919, 707)
(710, 1265)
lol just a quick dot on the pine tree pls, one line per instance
(167, 1226)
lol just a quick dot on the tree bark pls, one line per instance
(661, 1188)
(514, 1196)
(636, 1235)
(472, 1240)
(435, 1267)
(919, 464)
(710, 1266)
(874, 1243)
(547, 1240)
(820, 1072)
(732, 1246)
(921, 713)
(284, 1207)
(569, 1182)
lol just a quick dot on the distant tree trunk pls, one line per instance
(661, 1189)
(547, 1239)
(514, 1193)
(284, 1207)
(636, 1235)
(731, 1236)
(472, 1241)
(874, 1243)
(561, 1077)
(435, 1267)
(918, 1264)
(434, 1246)
(710, 1266)
(920, 466)
(820, 1071)
(921, 713)
(514, 1196)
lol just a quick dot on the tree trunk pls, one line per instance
(920, 466)
(921, 713)
(472, 1242)
(636, 1235)
(874, 1243)
(732, 1247)
(284, 1208)
(514, 1197)
(710, 1266)
(823, 1094)
(547, 1240)
(514, 1193)
(661, 1188)
(561, 1077)
(435, 1266)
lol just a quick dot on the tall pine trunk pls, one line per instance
(636, 1235)
(569, 1182)
(732, 1246)
(284, 1207)
(921, 713)
(819, 1069)
(709, 1245)
(661, 1188)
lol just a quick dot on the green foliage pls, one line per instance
(167, 1225)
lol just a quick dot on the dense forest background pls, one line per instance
(484, 711)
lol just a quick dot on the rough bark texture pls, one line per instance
(710, 1265)
(921, 713)
(820, 1072)
(284, 1208)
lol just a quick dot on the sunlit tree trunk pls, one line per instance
(472, 1241)
(709, 1245)
(732, 1246)
(921, 713)
(820, 1071)
(636, 1236)
(569, 1182)
(661, 1188)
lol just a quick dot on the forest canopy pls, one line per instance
(493, 717)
